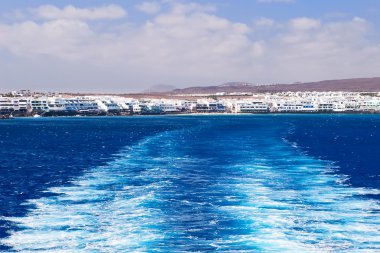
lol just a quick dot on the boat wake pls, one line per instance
(180, 192)
(107, 210)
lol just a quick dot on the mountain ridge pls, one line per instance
(349, 85)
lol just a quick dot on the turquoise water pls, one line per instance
(191, 184)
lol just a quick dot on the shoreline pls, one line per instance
(197, 114)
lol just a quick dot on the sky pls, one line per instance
(129, 46)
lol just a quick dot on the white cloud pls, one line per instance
(265, 22)
(330, 50)
(182, 8)
(14, 15)
(149, 7)
(276, 1)
(51, 12)
(187, 45)
(60, 38)
(183, 44)
(305, 23)
(359, 19)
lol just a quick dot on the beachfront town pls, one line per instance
(26, 103)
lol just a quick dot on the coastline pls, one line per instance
(199, 115)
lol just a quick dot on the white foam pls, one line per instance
(99, 212)
(303, 208)
(287, 202)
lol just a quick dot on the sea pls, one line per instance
(207, 183)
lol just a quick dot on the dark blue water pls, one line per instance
(352, 142)
(191, 184)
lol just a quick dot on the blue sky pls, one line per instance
(237, 10)
(123, 46)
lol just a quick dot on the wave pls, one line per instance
(105, 210)
(204, 190)
(297, 204)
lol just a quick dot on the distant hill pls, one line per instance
(354, 85)
(237, 84)
(160, 88)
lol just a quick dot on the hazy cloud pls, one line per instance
(264, 22)
(149, 7)
(70, 12)
(276, 1)
(189, 44)
(305, 23)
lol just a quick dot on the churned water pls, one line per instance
(301, 183)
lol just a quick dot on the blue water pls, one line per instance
(286, 183)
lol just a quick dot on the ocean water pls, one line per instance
(252, 183)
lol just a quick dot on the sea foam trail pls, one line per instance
(297, 204)
(204, 190)
(107, 210)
